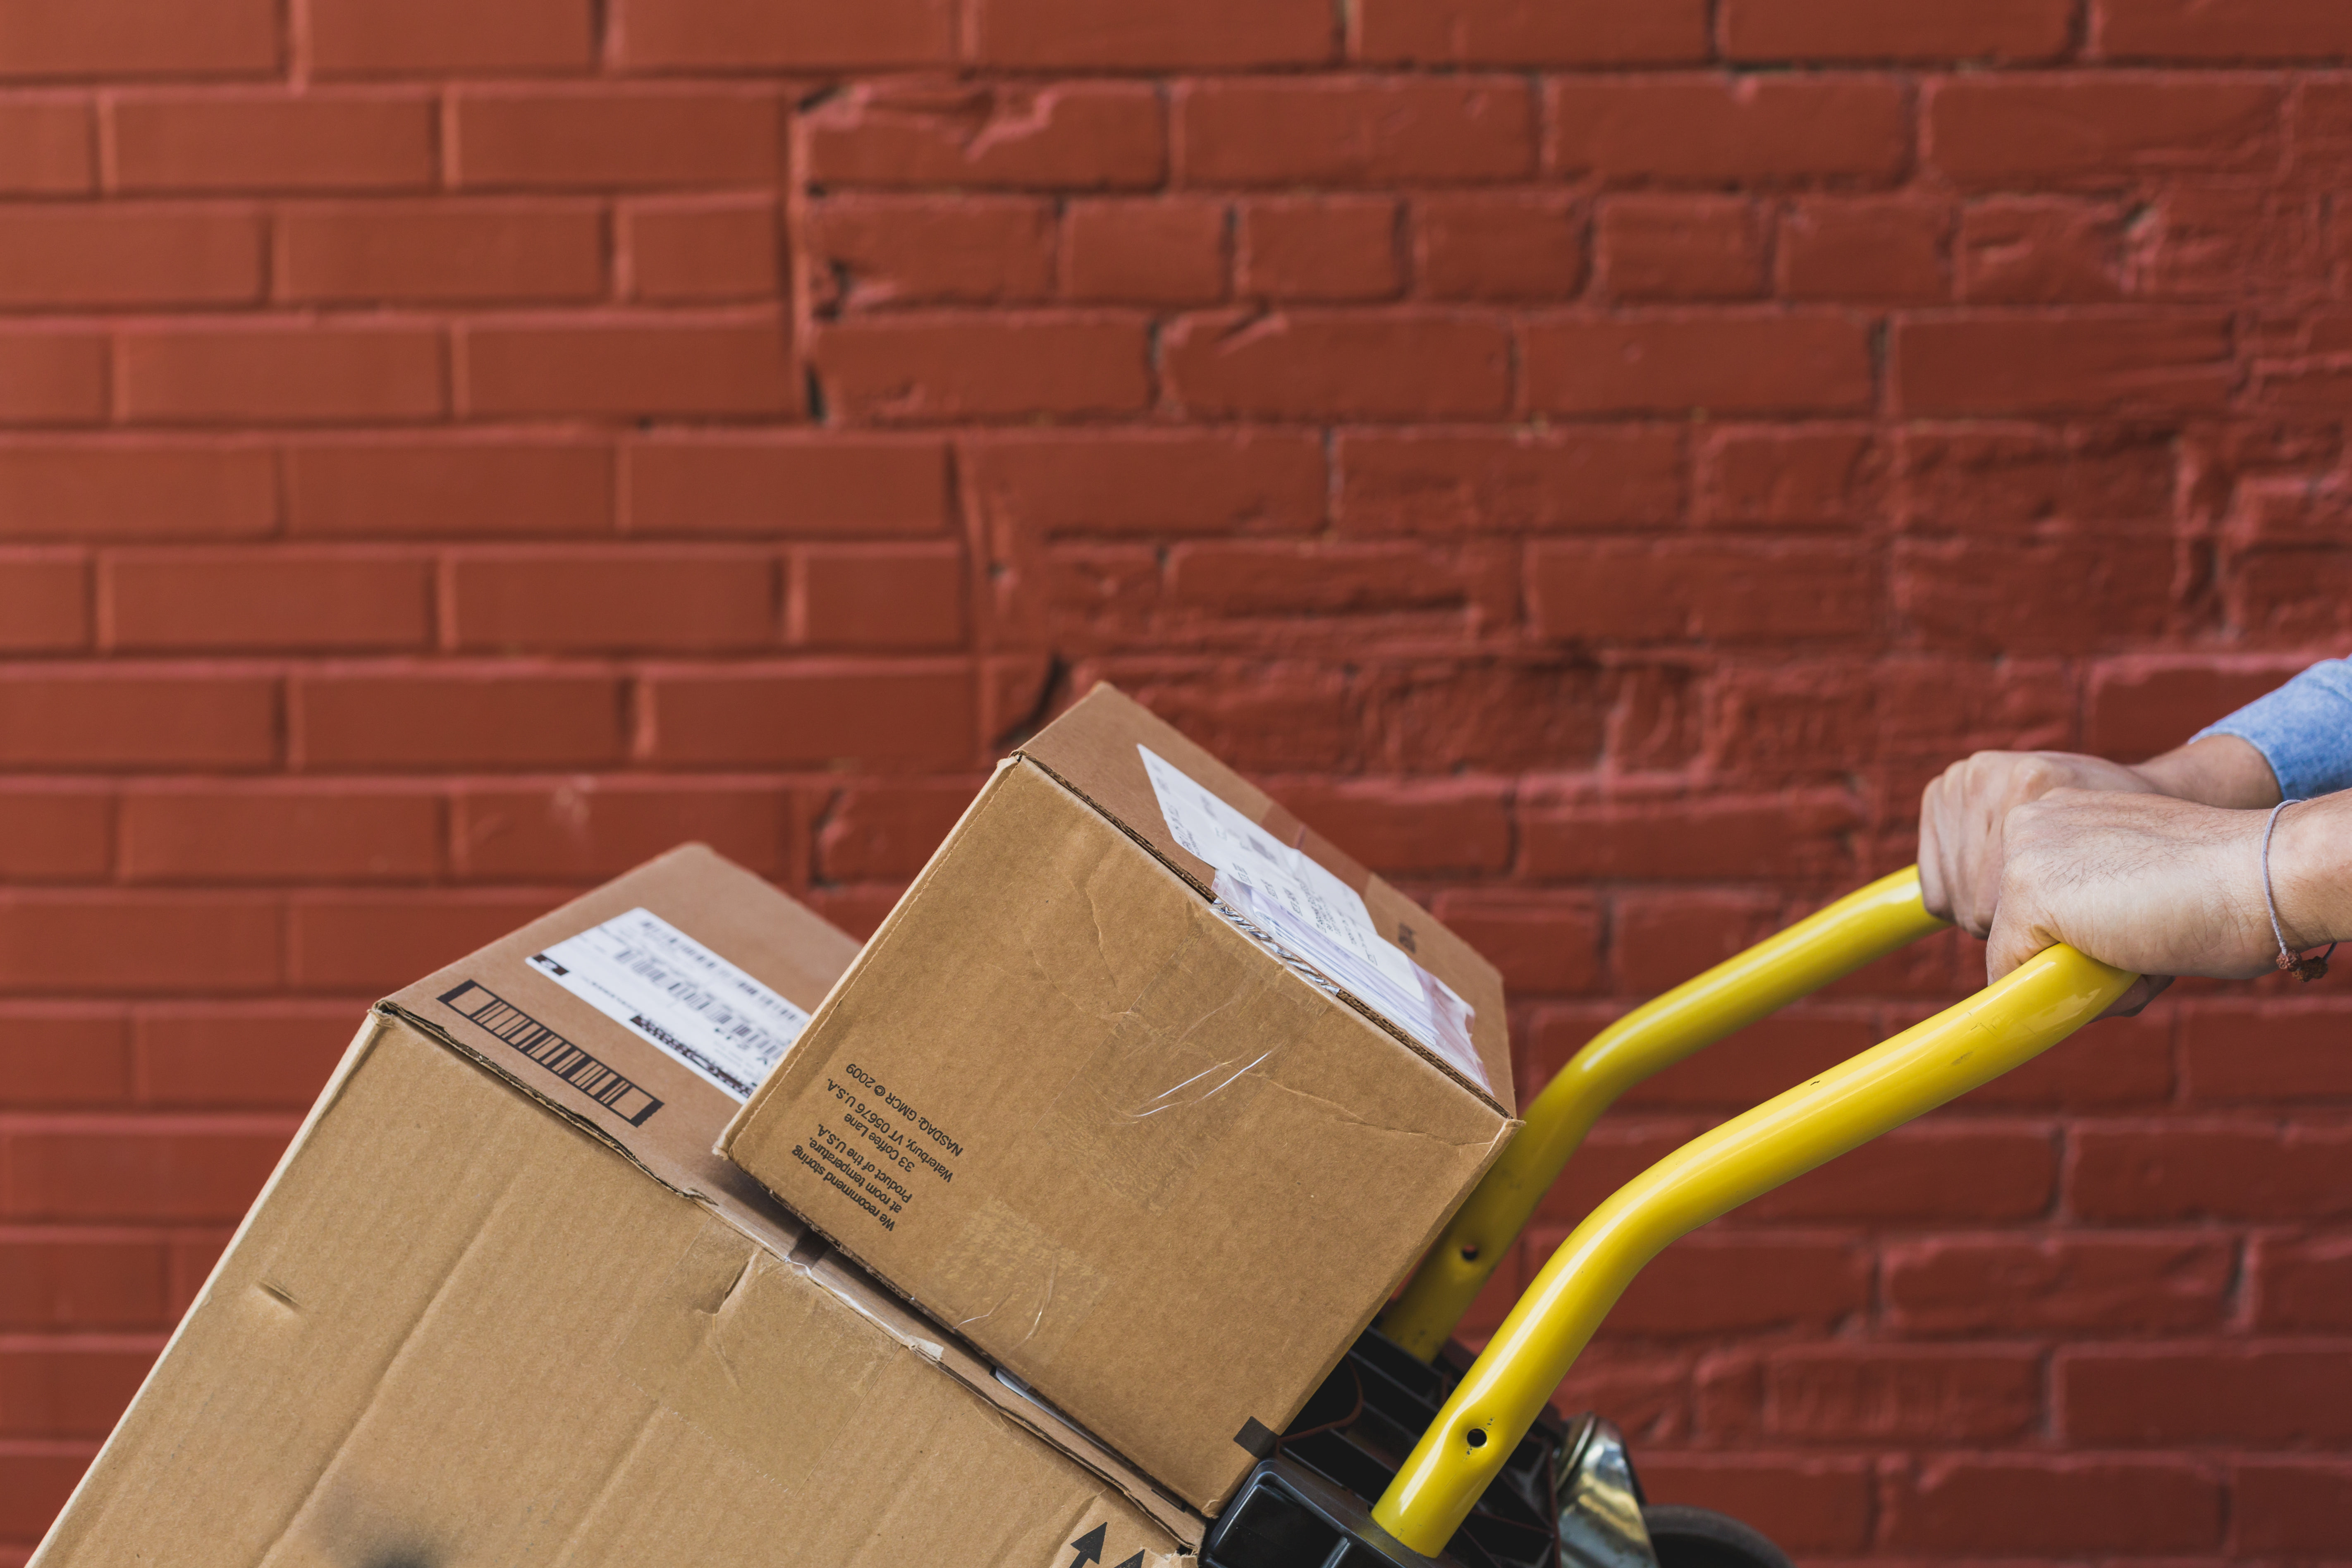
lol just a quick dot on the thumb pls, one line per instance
(2015, 938)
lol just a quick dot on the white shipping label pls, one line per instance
(642, 971)
(1297, 901)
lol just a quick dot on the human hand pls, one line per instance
(2139, 880)
(1964, 814)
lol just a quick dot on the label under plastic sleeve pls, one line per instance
(1301, 906)
(644, 974)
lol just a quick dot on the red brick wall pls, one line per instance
(1595, 458)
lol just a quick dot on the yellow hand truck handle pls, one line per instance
(2011, 1021)
(1849, 933)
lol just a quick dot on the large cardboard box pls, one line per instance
(1147, 1090)
(501, 1305)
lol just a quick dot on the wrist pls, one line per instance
(2220, 770)
(2311, 872)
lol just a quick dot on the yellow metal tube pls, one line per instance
(1857, 928)
(2027, 1011)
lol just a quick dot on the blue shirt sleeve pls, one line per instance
(2303, 730)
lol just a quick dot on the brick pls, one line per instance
(795, 35)
(375, 942)
(2250, 1395)
(272, 140)
(1410, 829)
(1084, 136)
(888, 831)
(922, 368)
(1906, 1177)
(2123, 1062)
(1710, 1284)
(614, 598)
(1338, 365)
(137, 942)
(1338, 131)
(482, 252)
(1709, 130)
(876, 251)
(1886, 1394)
(183, 600)
(399, 489)
(1382, 578)
(888, 718)
(2217, 1169)
(49, 147)
(117, 717)
(2052, 1506)
(1947, 604)
(2290, 1508)
(653, 365)
(2220, 30)
(701, 249)
(1478, 481)
(1808, 1505)
(1165, 251)
(2043, 363)
(74, 1391)
(2288, 595)
(64, 1056)
(148, 1171)
(788, 484)
(1963, 1285)
(614, 137)
(1658, 940)
(210, 835)
(456, 718)
(2043, 250)
(1530, 32)
(57, 257)
(192, 1254)
(2070, 129)
(80, 1282)
(294, 372)
(1794, 835)
(52, 376)
(1768, 478)
(1998, 31)
(354, 38)
(1516, 247)
(273, 1055)
(586, 829)
(1319, 248)
(1751, 1066)
(1881, 250)
(1813, 362)
(56, 833)
(1610, 590)
(879, 597)
(44, 602)
(1145, 483)
(2298, 1283)
(1545, 945)
(2236, 1051)
(1680, 247)
(1201, 34)
(1965, 480)
(137, 37)
(135, 490)
(1499, 716)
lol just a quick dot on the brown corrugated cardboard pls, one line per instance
(1147, 1157)
(500, 1304)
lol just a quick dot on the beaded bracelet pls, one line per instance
(2309, 969)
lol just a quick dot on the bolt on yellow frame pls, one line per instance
(2008, 1023)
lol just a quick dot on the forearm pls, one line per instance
(2215, 770)
(2311, 871)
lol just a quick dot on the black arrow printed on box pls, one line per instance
(1090, 1550)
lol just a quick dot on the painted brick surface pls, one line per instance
(1594, 460)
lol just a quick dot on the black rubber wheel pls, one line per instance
(1687, 1537)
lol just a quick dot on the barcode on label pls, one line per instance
(505, 1021)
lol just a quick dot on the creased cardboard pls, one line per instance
(1150, 1163)
(492, 1310)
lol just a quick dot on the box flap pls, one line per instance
(1108, 749)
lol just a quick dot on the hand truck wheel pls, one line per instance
(1686, 1537)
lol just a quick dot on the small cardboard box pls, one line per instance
(1147, 1090)
(500, 1304)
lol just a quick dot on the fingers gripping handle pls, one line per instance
(2025, 1013)
(1857, 928)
